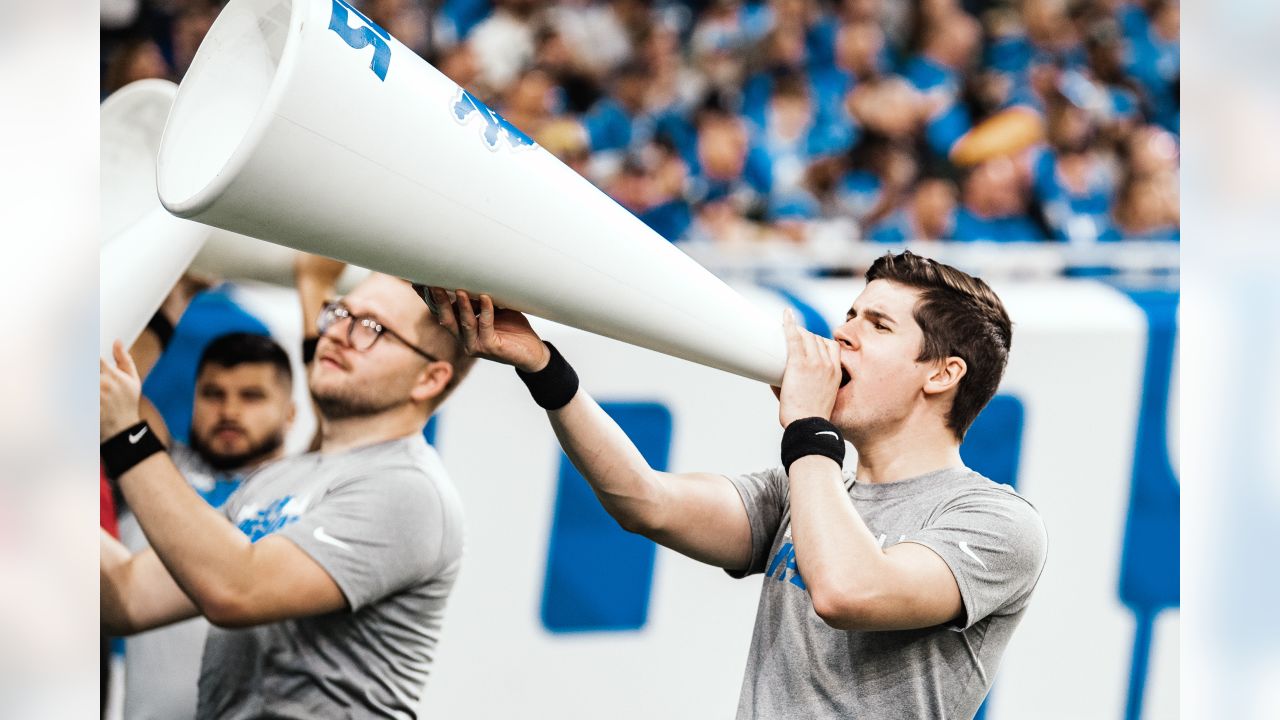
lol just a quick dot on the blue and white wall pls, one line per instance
(559, 613)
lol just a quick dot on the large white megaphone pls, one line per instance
(143, 249)
(306, 124)
(238, 257)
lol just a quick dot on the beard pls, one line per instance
(343, 403)
(231, 461)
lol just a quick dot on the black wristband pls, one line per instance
(309, 349)
(162, 327)
(811, 436)
(553, 386)
(127, 448)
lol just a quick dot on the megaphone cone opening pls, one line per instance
(131, 121)
(225, 101)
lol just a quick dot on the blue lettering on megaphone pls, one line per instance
(495, 125)
(359, 37)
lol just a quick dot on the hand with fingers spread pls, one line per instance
(496, 334)
(811, 377)
(119, 393)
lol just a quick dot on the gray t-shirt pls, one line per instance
(163, 665)
(798, 666)
(386, 524)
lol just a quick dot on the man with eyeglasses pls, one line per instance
(326, 574)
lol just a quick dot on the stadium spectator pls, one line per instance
(573, 79)
(995, 205)
(789, 139)
(1073, 180)
(460, 65)
(136, 59)
(190, 26)
(859, 64)
(621, 120)
(807, 79)
(727, 166)
(339, 560)
(1147, 209)
(1154, 57)
(405, 20)
(929, 215)
(879, 171)
(503, 43)
(531, 101)
(597, 34)
(948, 47)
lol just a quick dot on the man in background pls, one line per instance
(241, 412)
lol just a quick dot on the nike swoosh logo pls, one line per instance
(832, 433)
(133, 439)
(964, 547)
(325, 537)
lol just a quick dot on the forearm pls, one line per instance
(113, 562)
(838, 556)
(206, 555)
(621, 478)
(137, 592)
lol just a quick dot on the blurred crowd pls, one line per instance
(733, 122)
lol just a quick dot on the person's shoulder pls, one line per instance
(998, 509)
(407, 465)
(972, 486)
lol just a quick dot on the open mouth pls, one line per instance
(845, 377)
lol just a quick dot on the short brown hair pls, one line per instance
(960, 316)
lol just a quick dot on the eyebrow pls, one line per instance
(872, 314)
(369, 313)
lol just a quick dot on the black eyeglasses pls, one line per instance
(363, 331)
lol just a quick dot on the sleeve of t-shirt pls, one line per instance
(995, 544)
(763, 495)
(375, 535)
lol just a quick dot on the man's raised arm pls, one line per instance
(232, 581)
(700, 515)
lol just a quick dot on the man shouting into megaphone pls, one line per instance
(904, 579)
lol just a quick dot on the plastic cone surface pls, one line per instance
(305, 124)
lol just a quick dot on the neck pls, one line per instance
(271, 457)
(907, 452)
(342, 434)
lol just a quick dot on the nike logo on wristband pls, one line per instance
(832, 433)
(134, 438)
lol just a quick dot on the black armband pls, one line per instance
(127, 448)
(811, 436)
(162, 327)
(309, 349)
(553, 386)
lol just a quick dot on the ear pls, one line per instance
(432, 381)
(291, 414)
(945, 376)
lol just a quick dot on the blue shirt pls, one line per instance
(945, 128)
(1015, 228)
(1083, 215)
